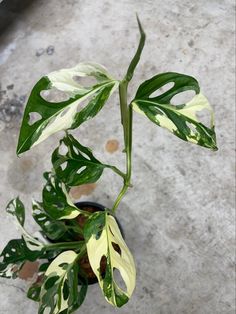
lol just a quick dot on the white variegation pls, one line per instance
(124, 262)
(198, 103)
(64, 81)
(54, 269)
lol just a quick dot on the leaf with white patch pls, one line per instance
(81, 167)
(51, 227)
(105, 243)
(181, 119)
(16, 208)
(68, 114)
(56, 200)
(59, 291)
(14, 255)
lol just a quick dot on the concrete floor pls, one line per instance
(179, 216)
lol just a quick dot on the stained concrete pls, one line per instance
(179, 215)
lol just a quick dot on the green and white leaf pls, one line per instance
(182, 119)
(68, 114)
(51, 227)
(13, 257)
(59, 291)
(16, 208)
(103, 239)
(56, 200)
(81, 166)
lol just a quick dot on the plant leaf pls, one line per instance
(54, 117)
(56, 200)
(16, 208)
(59, 291)
(182, 119)
(104, 240)
(81, 166)
(52, 228)
(13, 257)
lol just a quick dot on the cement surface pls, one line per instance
(179, 215)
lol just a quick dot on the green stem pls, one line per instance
(127, 116)
(116, 170)
(63, 245)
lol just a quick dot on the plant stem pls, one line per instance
(63, 245)
(127, 115)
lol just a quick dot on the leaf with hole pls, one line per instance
(180, 119)
(59, 291)
(51, 117)
(56, 200)
(104, 241)
(51, 227)
(78, 166)
(16, 208)
(14, 255)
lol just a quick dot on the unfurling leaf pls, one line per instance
(81, 166)
(104, 242)
(56, 200)
(69, 114)
(181, 119)
(59, 291)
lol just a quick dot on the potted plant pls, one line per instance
(81, 243)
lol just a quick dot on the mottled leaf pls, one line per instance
(17, 210)
(13, 257)
(77, 166)
(59, 291)
(56, 200)
(69, 114)
(104, 241)
(51, 227)
(180, 119)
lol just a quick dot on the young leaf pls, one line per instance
(182, 119)
(104, 241)
(56, 200)
(59, 291)
(13, 257)
(80, 165)
(52, 228)
(54, 117)
(16, 208)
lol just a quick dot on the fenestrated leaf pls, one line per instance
(181, 119)
(16, 208)
(13, 257)
(51, 227)
(56, 200)
(81, 166)
(35, 289)
(104, 241)
(59, 291)
(53, 117)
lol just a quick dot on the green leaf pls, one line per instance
(56, 200)
(68, 114)
(51, 227)
(104, 241)
(182, 119)
(16, 208)
(13, 257)
(35, 289)
(59, 291)
(81, 166)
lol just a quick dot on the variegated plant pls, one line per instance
(56, 288)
